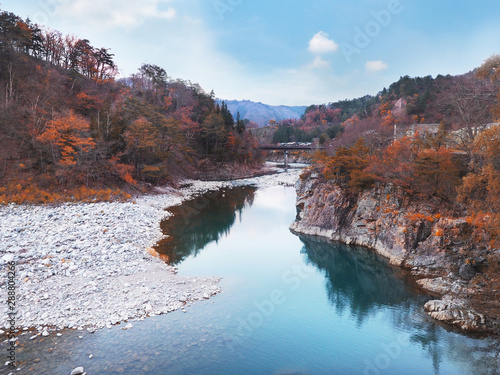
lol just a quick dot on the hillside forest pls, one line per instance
(71, 130)
(437, 139)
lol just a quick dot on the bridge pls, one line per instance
(292, 146)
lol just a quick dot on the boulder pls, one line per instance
(77, 371)
(467, 271)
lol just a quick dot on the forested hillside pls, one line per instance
(414, 173)
(70, 129)
(453, 164)
(459, 102)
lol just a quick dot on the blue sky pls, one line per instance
(290, 52)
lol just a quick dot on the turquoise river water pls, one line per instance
(289, 305)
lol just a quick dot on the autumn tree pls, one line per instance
(67, 136)
(214, 133)
(491, 70)
(347, 166)
(104, 64)
(155, 77)
(435, 169)
(53, 46)
(375, 136)
(395, 164)
(480, 190)
(141, 139)
(12, 33)
(436, 173)
(152, 81)
(467, 105)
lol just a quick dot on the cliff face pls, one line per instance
(442, 253)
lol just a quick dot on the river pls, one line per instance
(289, 305)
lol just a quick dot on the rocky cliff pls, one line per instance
(447, 256)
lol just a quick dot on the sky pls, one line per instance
(282, 52)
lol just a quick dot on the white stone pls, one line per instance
(77, 371)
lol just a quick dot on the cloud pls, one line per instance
(129, 13)
(320, 43)
(194, 53)
(319, 63)
(376, 66)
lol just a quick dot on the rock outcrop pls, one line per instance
(440, 252)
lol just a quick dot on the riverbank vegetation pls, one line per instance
(71, 130)
(464, 102)
(426, 194)
(455, 162)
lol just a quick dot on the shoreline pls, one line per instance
(445, 309)
(87, 265)
(377, 221)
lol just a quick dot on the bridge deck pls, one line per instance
(289, 148)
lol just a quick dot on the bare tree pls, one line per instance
(468, 105)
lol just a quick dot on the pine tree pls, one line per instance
(240, 125)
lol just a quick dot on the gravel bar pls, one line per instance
(86, 265)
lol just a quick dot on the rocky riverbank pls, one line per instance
(87, 266)
(443, 254)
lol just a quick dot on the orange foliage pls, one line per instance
(67, 134)
(415, 216)
(384, 108)
(27, 192)
(478, 219)
(480, 189)
(439, 233)
(88, 102)
(123, 171)
(389, 120)
(347, 166)
(394, 165)
(127, 177)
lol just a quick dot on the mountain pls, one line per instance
(262, 113)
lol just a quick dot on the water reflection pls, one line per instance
(361, 282)
(474, 356)
(345, 317)
(358, 279)
(203, 220)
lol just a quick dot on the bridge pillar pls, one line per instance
(286, 159)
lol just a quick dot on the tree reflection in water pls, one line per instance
(361, 281)
(200, 221)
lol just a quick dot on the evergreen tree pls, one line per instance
(240, 124)
(228, 117)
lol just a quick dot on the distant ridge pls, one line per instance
(262, 113)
